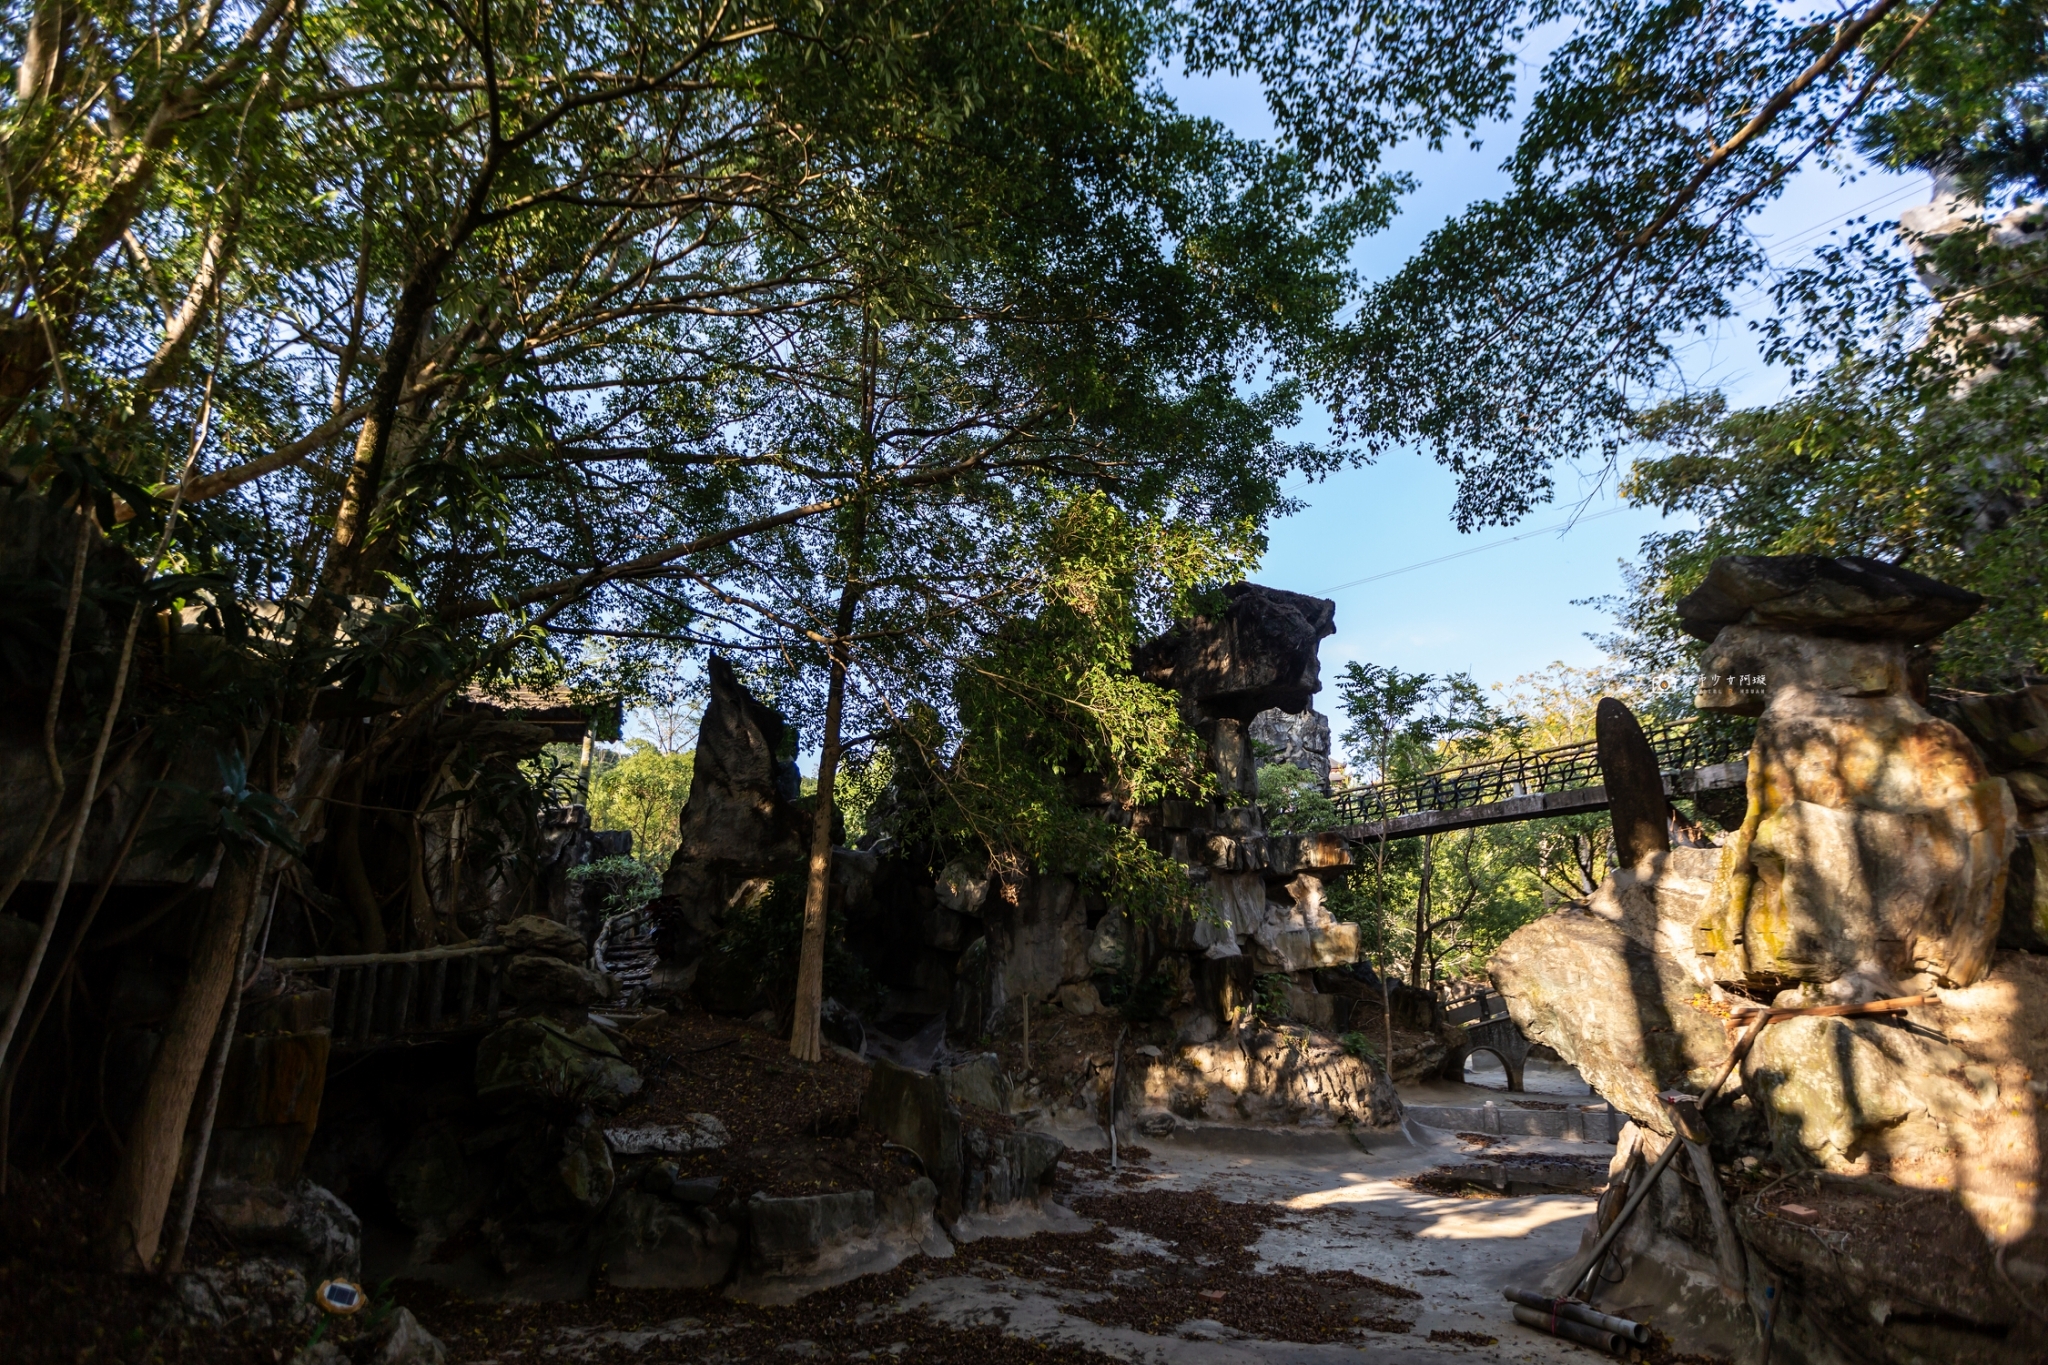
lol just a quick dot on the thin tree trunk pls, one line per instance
(149, 1164)
(805, 1041)
(33, 853)
(1420, 951)
(223, 1048)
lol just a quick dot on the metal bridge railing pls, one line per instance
(1679, 748)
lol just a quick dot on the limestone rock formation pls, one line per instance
(1871, 863)
(2010, 729)
(302, 1224)
(1259, 653)
(741, 822)
(1876, 840)
(656, 1243)
(1848, 598)
(535, 934)
(1300, 740)
(537, 979)
(541, 1062)
(1614, 986)
(974, 1172)
(806, 1242)
(1261, 1076)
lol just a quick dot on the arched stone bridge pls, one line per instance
(1486, 1027)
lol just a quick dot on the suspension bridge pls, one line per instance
(1565, 780)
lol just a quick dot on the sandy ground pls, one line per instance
(1458, 1253)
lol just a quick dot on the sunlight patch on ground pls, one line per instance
(1483, 1218)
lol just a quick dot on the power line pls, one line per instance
(1473, 550)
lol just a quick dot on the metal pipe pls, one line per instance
(1637, 1332)
(1557, 1325)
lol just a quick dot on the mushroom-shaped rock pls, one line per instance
(1850, 598)
(1258, 653)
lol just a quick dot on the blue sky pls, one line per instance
(1504, 611)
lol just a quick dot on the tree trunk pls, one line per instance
(355, 878)
(149, 1163)
(1420, 952)
(805, 1042)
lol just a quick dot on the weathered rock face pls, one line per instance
(1876, 841)
(534, 934)
(1260, 1076)
(2010, 730)
(1301, 741)
(741, 821)
(303, 1225)
(795, 1245)
(1848, 598)
(1635, 789)
(1614, 986)
(653, 1242)
(1872, 863)
(1258, 654)
(973, 1172)
(547, 1064)
(540, 980)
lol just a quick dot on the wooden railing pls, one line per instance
(385, 998)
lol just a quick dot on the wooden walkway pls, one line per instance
(1545, 782)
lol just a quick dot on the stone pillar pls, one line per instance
(1875, 842)
(1635, 789)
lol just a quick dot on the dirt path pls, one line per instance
(1343, 1210)
(1203, 1252)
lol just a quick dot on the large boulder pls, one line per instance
(653, 1242)
(254, 1293)
(799, 1244)
(537, 934)
(974, 1172)
(536, 979)
(543, 1063)
(1038, 932)
(1615, 986)
(302, 1224)
(1261, 1076)
(1849, 598)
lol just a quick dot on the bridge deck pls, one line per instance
(1538, 805)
